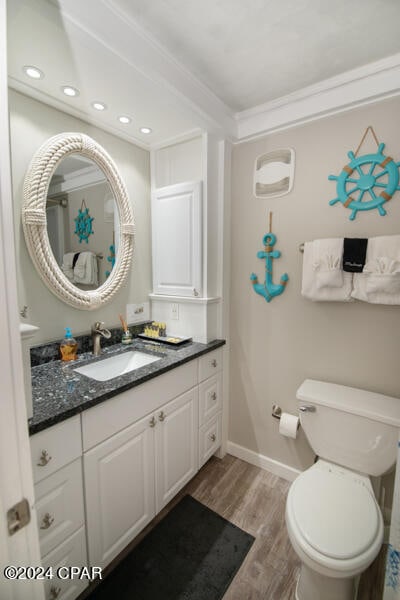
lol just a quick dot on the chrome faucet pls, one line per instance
(98, 330)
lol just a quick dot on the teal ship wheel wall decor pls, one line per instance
(368, 181)
(268, 289)
(83, 223)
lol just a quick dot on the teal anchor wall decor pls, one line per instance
(268, 289)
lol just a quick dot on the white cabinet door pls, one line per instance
(119, 482)
(177, 239)
(176, 446)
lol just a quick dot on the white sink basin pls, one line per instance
(108, 368)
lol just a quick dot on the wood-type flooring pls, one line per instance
(254, 500)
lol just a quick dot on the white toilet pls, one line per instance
(333, 519)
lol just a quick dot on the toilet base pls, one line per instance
(313, 586)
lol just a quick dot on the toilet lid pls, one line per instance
(335, 512)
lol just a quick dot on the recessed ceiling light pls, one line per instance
(99, 105)
(145, 130)
(33, 72)
(70, 91)
(125, 120)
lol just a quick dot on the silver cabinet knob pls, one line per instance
(161, 416)
(214, 363)
(44, 459)
(307, 408)
(47, 521)
(214, 396)
(54, 592)
(152, 422)
(213, 437)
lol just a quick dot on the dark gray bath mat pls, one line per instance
(192, 554)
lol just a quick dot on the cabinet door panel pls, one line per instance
(177, 239)
(119, 481)
(176, 446)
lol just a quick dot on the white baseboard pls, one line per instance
(264, 462)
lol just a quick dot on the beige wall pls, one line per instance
(276, 346)
(32, 123)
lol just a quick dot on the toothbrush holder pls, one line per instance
(126, 337)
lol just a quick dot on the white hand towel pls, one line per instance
(309, 288)
(66, 266)
(86, 271)
(379, 283)
(327, 262)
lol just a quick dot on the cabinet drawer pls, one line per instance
(71, 553)
(59, 505)
(55, 447)
(209, 364)
(209, 439)
(210, 398)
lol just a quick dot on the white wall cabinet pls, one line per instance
(177, 239)
(139, 449)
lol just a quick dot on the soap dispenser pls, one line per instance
(68, 346)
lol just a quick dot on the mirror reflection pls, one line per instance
(82, 221)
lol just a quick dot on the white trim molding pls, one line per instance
(183, 299)
(264, 462)
(373, 82)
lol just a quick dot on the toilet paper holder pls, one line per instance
(276, 411)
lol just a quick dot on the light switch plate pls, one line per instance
(135, 313)
(175, 311)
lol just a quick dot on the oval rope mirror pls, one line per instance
(34, 219)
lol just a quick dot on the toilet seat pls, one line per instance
(333, 519)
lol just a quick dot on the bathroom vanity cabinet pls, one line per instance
(124, 460)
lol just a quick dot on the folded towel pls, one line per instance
(354, 253)
(86, 271)
(327, 262)
(309, 288)
(379, 283)
(67, 267)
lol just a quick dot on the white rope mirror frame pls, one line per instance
(34, 220)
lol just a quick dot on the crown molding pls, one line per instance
(106, 23)
(358, 87)
(186, 136)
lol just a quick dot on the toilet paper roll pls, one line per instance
(288, 425)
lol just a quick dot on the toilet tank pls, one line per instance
(351, 427)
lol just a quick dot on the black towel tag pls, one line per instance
(354, 253)
(76, 255)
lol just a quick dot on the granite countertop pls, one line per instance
(58, 392)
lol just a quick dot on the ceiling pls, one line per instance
(180, 66)
(253, 52)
